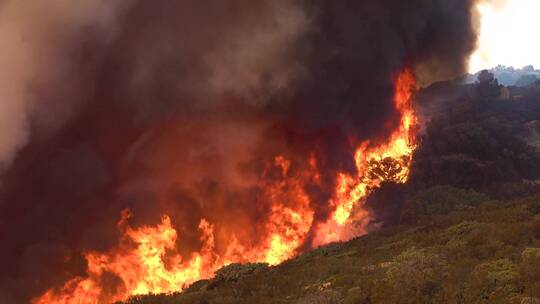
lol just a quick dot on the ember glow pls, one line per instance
(147, 260)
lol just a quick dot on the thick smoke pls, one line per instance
(175, 107)
(38, 85)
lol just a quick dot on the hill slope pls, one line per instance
(481, 252)
(465, 229)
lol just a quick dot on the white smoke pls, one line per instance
(31, 34)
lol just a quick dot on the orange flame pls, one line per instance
(389, 161)
(147, 260)
(138, 262)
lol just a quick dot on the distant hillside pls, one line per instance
(464, 229)
(509, 76)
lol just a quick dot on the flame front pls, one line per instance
(138, 262)
(146, 260)
(388, 161)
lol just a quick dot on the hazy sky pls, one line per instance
(509, 35)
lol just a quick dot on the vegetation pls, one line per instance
(467, 231)
(488, 252)
(510, 76)
(476, 140)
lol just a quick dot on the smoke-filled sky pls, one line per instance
(508, 35)
(174, 107)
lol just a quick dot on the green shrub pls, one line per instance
(323, 297)
(440, 200)
(529, 271)
(415, 276)
(234, 272)
(494, 282)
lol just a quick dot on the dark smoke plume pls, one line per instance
(173, 107)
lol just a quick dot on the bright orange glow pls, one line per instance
(289, 223)
(147, 260)
(375, 163)
(138, 262)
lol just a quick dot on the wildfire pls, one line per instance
(147, 260)
(375, 163)
(138, 263)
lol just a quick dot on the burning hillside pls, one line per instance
(146, 260)
(173, 138)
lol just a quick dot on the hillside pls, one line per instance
(484, 251)
(464, 229)
(510, 76)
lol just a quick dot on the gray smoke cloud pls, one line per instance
(35, 67)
